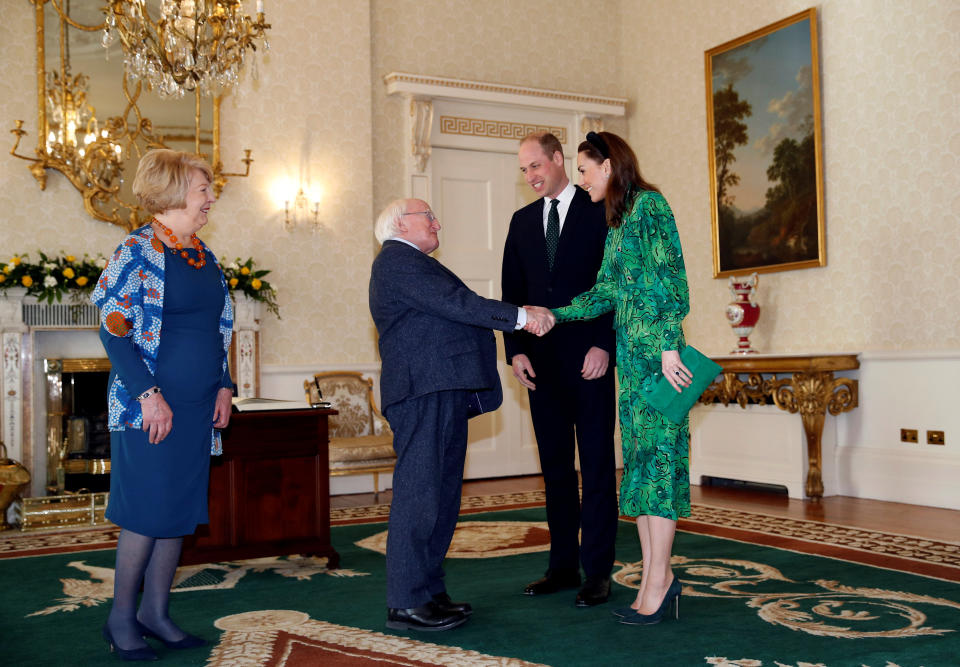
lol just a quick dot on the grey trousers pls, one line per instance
(430, 439)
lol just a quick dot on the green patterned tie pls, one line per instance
(553, 232)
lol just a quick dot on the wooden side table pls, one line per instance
(269, 491)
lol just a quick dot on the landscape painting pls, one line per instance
(766, 173)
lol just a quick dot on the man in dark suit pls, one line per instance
(439, 368)
(553, 253)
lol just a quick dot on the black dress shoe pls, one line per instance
(189, 641)
(552, 582)
(446, 604)
(595, 590)
(428, 617)
(142, 653)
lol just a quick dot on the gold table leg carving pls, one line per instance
(812, 395)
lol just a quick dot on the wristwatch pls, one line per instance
(148, 393)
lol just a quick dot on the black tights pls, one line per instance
(153, 561)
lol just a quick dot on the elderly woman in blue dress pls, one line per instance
(166, 322)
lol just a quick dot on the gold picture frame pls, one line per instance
(765, 148)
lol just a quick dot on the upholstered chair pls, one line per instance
(361, 442)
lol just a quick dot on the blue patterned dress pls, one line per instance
(160, 490)
(642, 278)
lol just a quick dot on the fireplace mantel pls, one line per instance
(22, 317)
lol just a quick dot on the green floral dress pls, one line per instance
(643, 280)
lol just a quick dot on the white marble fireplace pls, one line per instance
(31, 332)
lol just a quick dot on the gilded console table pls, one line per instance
(795, 383)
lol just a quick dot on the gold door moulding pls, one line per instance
(496, 129)
(809, 388)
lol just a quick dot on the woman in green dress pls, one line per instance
(642, 279)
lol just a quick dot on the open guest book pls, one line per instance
(262, 404)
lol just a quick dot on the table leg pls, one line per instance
(812, 395)
(813, 430)
(808, 394)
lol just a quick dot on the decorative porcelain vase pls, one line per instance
(743, 312)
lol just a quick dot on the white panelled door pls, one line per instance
(475, 194)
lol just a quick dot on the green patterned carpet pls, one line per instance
(742, 604)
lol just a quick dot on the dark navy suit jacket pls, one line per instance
(434, 331)
(527, 280)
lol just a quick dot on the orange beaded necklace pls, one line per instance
(201, 260)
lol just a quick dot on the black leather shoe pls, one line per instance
(552, 582)
(142, 653)
(429, 617)
(446, 604)
(595, 590)
(189, 641)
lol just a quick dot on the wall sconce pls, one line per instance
(301, 209)
(301, 212)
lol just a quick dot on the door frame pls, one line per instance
(486, 116)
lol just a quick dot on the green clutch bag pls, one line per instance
(675, 405)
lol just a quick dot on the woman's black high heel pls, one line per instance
(142, 653)
(190, 641)
(670, 601)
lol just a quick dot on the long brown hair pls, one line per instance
(625, 177)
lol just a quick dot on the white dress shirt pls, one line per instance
(565, 197)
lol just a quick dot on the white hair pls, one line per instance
(387, 225)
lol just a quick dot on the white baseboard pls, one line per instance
(347, 484)
(758, 444)
(862, 453)
(917, 478)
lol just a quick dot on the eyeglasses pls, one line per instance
(430, 216)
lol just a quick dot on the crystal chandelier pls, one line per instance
(191, 45)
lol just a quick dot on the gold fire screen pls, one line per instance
(78, 442)
(78, 447)
(74, 510)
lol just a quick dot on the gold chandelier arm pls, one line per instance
(21, 133)
(58, 5)
(246, 160)
(220, 176)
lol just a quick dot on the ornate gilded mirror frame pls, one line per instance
(88, 153)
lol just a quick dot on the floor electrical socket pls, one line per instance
(908, 435)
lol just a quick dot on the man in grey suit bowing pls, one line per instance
(438, 357)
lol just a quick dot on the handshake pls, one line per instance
(539, 320)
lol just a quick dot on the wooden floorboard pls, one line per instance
(927, 522)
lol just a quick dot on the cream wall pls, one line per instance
(309, 113)
(319, 109)
(890, 87)
(523, 42)
(891, 90)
